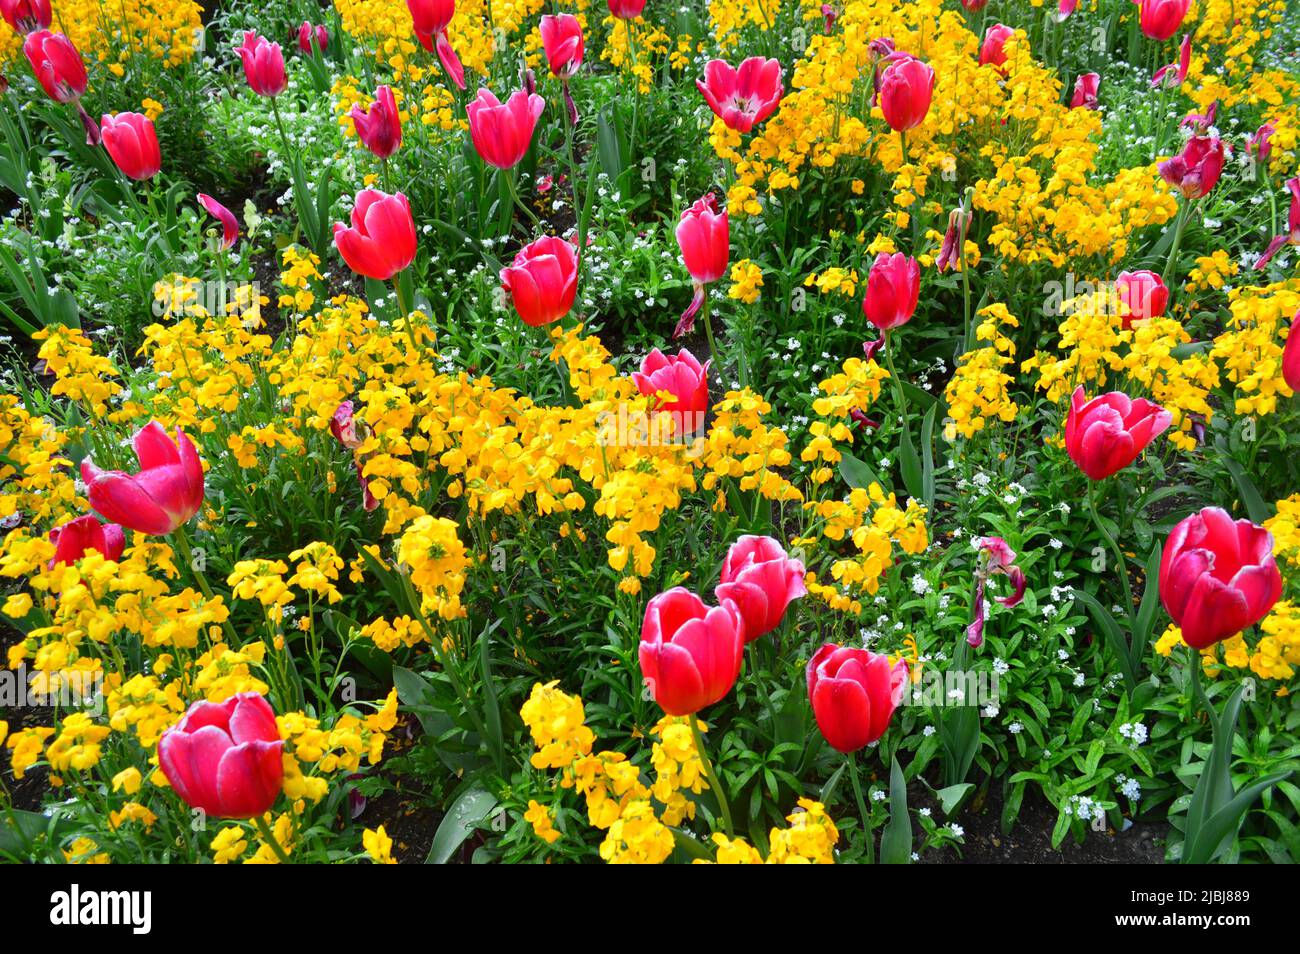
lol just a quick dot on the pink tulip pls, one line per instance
(225, 758)
(1106, 434)
(57, 65)
(165, 493)
(1292, 236)
(626, 9)
(1217, 576)
(954, 238)
(1291, 355)
(1160, 19)
(1064, 9)
(906, 88)
(1085, 91)
(762, 581)
(501, 132)
(312, 36)
(690, 653)
(1195, 171)
(704, 237)
(132, 143)
(1172, 75)
(992, 50)
(893, 289)
(684, 378)
(27, 16)
(431, 19)
(853, 693)
(229, 224)
(994, 558)
(1141, 294)
(543, 280)
(344, 426)
(742, 98)
(263, 65)
(1260, 145)
(76, 538)
(562, 44)
(379, 127)
(974, 6)
(381, 241)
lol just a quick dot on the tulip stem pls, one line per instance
(269, 839)
(708, 333)
(1180, 224)
(1114, 546)
(181, 538)
(862, 806)
(710, 776)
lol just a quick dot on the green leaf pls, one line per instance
(951, 797)
(1114, 637)
(896, 842)
(858, 473)
(1255, 506)
(461, 819)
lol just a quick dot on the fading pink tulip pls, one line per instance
(1260, 145)
(1085, 91)
(1172, 75)
(502, 132)
(76, 538)
(27, 16)
(994, 557)
(762, 580)
(1292, 235)
(954, 238)
(1195, 171)
(57, 65)
(229, 224)
(379, 127)
(163, 495)
(744, 97)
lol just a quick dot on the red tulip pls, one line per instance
(562, 43)
(263, 65)
(974, 6)
(690, 653)
(704, 237)
(164, 495)
(225, 757)
(1195, 171)
(380, 126)
(893, 288)
(309, 36)
(684, 378)
(431, 19)
(132, 142)
(1172, 75)
(1140, 295)
(76, 538)
(1160, 19)
(1085, 91)
(1106, 434)
(502, 132)
(543, 280)
(27, 16)
(1292, 236)
(381, 241)
(854, 694)
(762, 581)
(626, 9)
(906, 87)
(992, 50)
(57, 65)
(742, 98)
(1291, 355)
(229, 224)
(1217, 576)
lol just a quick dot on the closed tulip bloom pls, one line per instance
(1291, 355)
(690, 653)
(27, 16)
(132, 143)
(761, 579)
(309, 35)
(1064, 9)
(163, 495)
(854, 693)
(1171, 75)
(1140, 295)
(992, 50)
(906, 88)
(562, 43)
(76, 538)
(684, 378)
(263, 65)
(626, 9)
(229, 224)
(1106, 434)
(431, 18)
(224, 758)
(893, 288)
(380, 126)
(1195, 171)
(704, 237)
(1085, 91)
(1217, 576)
(502, 132)
(56, 64)
(543, 280)
(742, 98)
(381, 240)
(1160, 19)
(1292, 236)
(974, 6)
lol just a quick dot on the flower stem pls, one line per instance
(1183, 215)
(270, 840)
(710, 776)
(705, 313)
(862, 806)
(1114, 546)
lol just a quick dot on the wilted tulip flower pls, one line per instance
(684, 378)
(854, 693)
(431, 19)
(76, 538)
(344, 426)
(690, 653)
(132, 143)
(1140, 295)
(543, 280)
(225, 758)
(263, 65)
(1200, 123)
(57, 65)
(974, 6)
(379, 127)
(1217, 576)
(829, 16)
(1260, 145)
(994, 557)
(704, 237)
(1292, 236)
(312, 36)
(893, 289)
(163, 495)
(1195, 171)
(1291, 355)
(626, 9)
(1085, 91)
(992, 50)
(1171, 75)
(906, 88)
(1106, 434)
(27, 16)
(950, 252)
(742, 98)
(381, 241)
(762, 580)
(1160, 19)
(562, 43)
(502, 132)
(229, 224)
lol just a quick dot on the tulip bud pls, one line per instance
(690, 653)
(1106, 434)
(1160, 19)
(132, 143)
(906, 88)
(1140, 295)
(381, 240)
(503, 132)
(762, 581)
(309, 36)
(542, 281)
(853, 693)
(626, 9)
(893, 289)
(263, 65)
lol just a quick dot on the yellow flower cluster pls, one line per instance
(979, 390)
(169, 31)
(809, 840)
